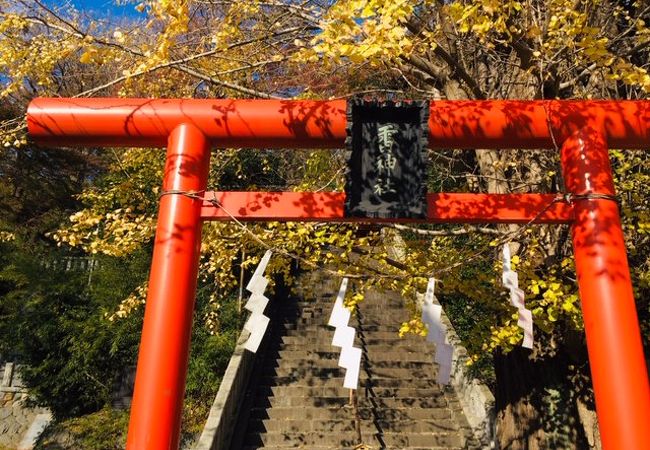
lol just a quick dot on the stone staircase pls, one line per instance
(295, 397)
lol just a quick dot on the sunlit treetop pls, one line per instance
(322, 49)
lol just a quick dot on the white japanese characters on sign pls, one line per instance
(386, 162)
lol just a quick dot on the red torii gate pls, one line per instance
(189, 128)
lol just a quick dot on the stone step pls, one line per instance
(367, 311)
(364, 383)
(290, 363)
(369, 344)
(371, 426)
(326, 301)
(323, 327)
(370, 317)
(340, 402)
(340, 391)
(276, 447)
(373, 347)
(393, 318)
(334, 353)
(402, 347)
(310, 372)
(390, 317)
(326, 334)
(400, 440)
(319, 447)
(384, 317)
(347, 413)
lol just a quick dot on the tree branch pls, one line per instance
(456, 232)
(454, 64)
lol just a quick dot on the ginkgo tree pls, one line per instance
(396, 48)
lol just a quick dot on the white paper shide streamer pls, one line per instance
(350, 358)
(431, 317)
(511, 281)
(257, 322)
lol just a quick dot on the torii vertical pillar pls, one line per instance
(616, 358)
(164, 348)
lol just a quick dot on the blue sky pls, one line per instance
(102, 8)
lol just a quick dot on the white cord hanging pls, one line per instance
(437, 333)
(350, 358)
(510, 281)
(257, 323)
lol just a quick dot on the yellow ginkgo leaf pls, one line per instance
(87, 57)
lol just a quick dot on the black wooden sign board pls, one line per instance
(387, 167)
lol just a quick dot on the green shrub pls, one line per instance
(102, 430)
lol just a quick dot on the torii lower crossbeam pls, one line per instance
(190, 127)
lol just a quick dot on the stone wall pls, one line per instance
(476, 400)
(220, 425)
(20, 424)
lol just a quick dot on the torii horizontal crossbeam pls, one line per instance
(129, 122)
(442, 208)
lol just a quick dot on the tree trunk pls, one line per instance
(538, 407)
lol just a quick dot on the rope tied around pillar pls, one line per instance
(196, 195)
(570, 198)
